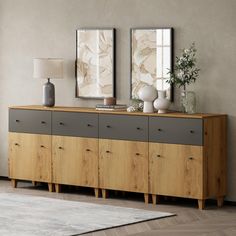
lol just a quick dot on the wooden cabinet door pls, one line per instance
(176, 170)
(30, 157)
(123, 165)
(75, 161)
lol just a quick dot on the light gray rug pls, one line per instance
(23, 215)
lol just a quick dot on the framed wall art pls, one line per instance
(95, 63)
(151, 59)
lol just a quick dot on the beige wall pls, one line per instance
(46, 28)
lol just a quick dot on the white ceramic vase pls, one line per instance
(162, 103)
(147, 94)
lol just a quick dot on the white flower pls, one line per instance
(187, 51)
(180, 74)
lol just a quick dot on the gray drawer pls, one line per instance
(123, 127)
(29, 121)
(176, 130)
(75, 124)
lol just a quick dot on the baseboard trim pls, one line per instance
(4, 178)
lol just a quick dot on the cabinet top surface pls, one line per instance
(93, 110)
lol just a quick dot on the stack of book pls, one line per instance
(118, 107)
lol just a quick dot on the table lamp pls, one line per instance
(48, 68)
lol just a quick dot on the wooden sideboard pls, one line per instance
(173, 154)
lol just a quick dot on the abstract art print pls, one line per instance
(95, 63)
(151, 59)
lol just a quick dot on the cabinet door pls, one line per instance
(176, 170)
(75, 161)
(123, 165)
(30, 157)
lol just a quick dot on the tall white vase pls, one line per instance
(162, 103)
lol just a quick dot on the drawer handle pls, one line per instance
(42, 146)
(89, 125)
(61, 123)
(190, 158)
(43, 122)
(17, 144)
(108, 126)
(108, 151)
(159, 129)
(17, 120)
(158, 155)
(191, 131)
(138, 128)
(88, 150)
(60, 148)
(137, 154)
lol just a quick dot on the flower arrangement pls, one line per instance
(185, 70)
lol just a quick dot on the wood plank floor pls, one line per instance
(189, 221)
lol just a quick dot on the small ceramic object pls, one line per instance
(131, 109)
(162, 103)
(109, 101)
(147, 94)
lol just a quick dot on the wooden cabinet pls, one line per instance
(191, 171)
(173, 154)
(75, 161)
(176, 170)
(123, 165)
(30, 157)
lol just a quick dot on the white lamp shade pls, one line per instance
(48, 68)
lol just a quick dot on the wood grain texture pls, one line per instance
(93, 110)
(75, 161)
(176, 170)
(123, 165)
(30, 157)
(215, 154)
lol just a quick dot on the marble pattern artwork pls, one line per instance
(24, 215)
(95, 62)
(150, 59)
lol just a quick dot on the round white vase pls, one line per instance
(162, 103)
(147, 94)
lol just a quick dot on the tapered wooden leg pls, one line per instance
(104, 193)
(50, 187)
(57, 188)
(201, 204)
(14, 183)
(96, 192)
(34, 183)
(220, 201)
(146, 198)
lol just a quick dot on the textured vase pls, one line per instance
(188, 100)
(48, 94)
(162, 103)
